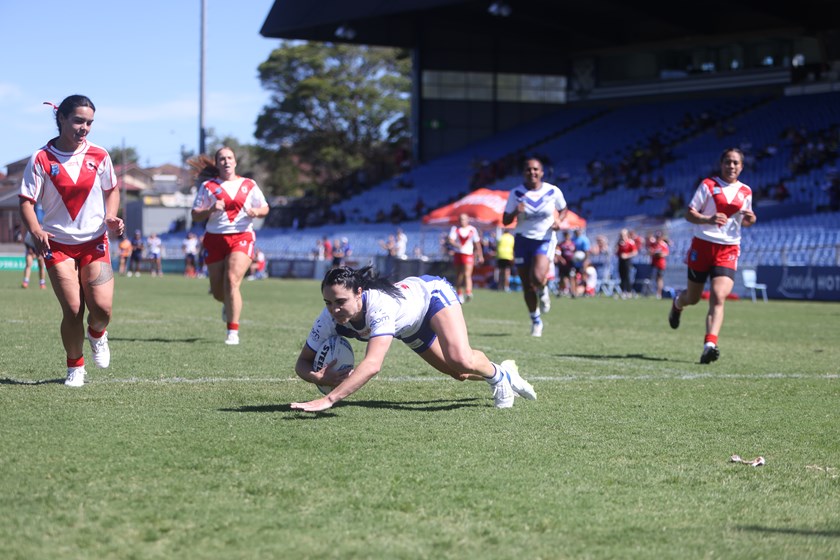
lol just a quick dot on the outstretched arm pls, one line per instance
(370, 365)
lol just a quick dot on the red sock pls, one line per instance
(711, 338)
(233, 326)
(76, 362)
(95, 334)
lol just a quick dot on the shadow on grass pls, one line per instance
(283, 408)
(420, 406)
(9, 381)
(789, 531)
(423, 406)
(496, 334)
(623, 357)
(136, 339)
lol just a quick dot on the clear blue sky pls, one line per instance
(139, 63)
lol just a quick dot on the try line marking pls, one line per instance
(560, 378)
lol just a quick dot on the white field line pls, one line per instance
(434, 379)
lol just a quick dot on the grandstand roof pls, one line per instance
(568, 27)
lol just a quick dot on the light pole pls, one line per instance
(201, 133)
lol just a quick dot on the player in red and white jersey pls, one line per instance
(719, 208)
(75, 183)
(229, 203)
(465, 241)
(658, 249)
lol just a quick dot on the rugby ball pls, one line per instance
(579, 256)
(334, 348)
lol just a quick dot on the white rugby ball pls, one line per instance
(335, 348)
(579, 256)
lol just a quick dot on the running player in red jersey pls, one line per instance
(719, 208)
(75, 183)
(230, 204)
(465, 241)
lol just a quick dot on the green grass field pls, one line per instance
(187, 448)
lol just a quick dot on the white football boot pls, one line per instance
(101, 351)
(519, 385)
(75, 376)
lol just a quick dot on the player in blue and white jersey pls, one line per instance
(423, 312)
(538, 209)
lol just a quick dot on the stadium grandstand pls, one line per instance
(629, 104)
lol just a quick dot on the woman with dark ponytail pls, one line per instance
(75, 183)
(423, 312)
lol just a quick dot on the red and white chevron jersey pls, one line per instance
(70, 187)
(239, 195)
(464, 239)
(713, 196)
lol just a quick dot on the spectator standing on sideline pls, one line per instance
(590, 278)
(389, 245)
(31, 256)
(229, 203)
(125, 254)
(75, 182)
(583, 249)
(155, 246)
(504, 258)
(137, 248)
(659, 249)
(467, 250)
(422, 312)
(190, 247)
(720, 207)
(401, 241)
(258, 266)
(625, 250)
(347, 248)
(328, 249)
(538, 209)
(337, 253)
(564, 258)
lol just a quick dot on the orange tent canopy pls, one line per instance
(485, 208)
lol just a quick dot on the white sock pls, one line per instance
(497, 376)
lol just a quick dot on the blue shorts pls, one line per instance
(443, 295)
(525, 249)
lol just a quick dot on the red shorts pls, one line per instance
(221, 245)
(658, 263)
(460, 259)
(704, 255)
(95, 250)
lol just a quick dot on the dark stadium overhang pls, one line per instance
(570, 27)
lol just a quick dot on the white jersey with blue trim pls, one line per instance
(385, 315)
(540, 204)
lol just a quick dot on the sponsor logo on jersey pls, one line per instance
(101, 248)
(692, 255)
(716, 190)
(53, 169)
